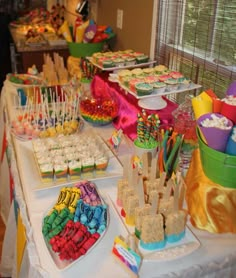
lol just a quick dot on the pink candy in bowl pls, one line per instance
(215, 130)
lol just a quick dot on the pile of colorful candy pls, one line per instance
(98, 111)
(76, 222)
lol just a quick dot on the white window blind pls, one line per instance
(198, 38)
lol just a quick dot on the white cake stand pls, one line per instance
(152, 103)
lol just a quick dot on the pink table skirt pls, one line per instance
(128, 105)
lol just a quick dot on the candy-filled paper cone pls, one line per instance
(205, 96)
(216, 136)
(231, 144)
(65, 31)
(229, 111)
(231, 91)
(217, 105)
(201, 106)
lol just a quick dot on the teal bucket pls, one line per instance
(217, 166)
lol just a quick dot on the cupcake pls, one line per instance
(119, 62)
(130, 61)
(133, 82)
(175, 74)
(159, 87)
(142, 59)
(108, 63)
(143, 89)
(148, 71)
(172, 84)
(123, 73)
(164, 77)
(184, 83)
(137, 72)
(160, 69)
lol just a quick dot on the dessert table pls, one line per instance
(215, 257)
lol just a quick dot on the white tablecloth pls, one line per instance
(216, 257)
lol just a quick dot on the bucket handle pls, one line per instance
(230, 162)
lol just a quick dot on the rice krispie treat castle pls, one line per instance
(153, 206)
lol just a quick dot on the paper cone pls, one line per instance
(205, 96)
(229, 111)
(201, 106)
(217, 105)
(65, 31)
(231, 91)
(215, 137)
(231, 144)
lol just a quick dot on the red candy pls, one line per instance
(74, 241)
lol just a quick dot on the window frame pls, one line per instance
(166, 50)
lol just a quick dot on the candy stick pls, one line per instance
(172, 154)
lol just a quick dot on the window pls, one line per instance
(198, 38)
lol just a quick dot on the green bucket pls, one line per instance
(84, 49)
(217, 166)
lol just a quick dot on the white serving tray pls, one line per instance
(191, 87)
(113, 170)
(140, 65)
(65, 264)
(171, 251)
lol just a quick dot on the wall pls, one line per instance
(137, 22)
(137, 26)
